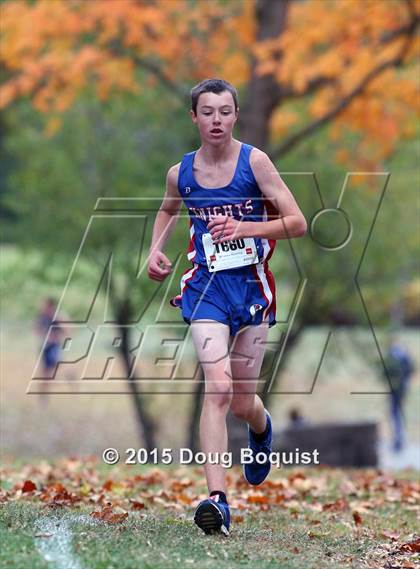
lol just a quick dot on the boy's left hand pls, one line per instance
(224, 228)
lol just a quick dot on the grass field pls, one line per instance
(297, 519)
(85, 423)
(316, 518)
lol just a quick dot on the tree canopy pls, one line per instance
(351, 63)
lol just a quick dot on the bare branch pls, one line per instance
(289, 92)
(175, 88)
(116, 49)
(294, 139)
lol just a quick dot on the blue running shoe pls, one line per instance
(213, 517)
(254, 472)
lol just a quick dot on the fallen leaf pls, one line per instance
(257, 499)
(107, 515)
(107, 485)
(3, 497)
(296, 476)
(357, 518)
(347, 487)
(390, 534)
(28, 486)
(339, 505)
(136, 505)
(412, 546)
(179, 485)
(57, 495)
(184, 498)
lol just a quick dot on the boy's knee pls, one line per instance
(219, 393)
(242, 408)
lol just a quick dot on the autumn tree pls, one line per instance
(300, 67)
(349, 57)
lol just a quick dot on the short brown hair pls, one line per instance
(212, 86)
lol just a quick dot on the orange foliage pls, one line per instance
(51, 50)
(342, 42)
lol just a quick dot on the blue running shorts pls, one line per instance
(237, 297)
(50, 355)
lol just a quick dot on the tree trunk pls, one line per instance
(263, 93)
(145, 423)
(263, 96)
(291, 342)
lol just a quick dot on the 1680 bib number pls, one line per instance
(229, 254)
(230, 245)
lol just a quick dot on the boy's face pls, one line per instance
(215, 117)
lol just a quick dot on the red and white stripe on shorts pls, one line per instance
(187, 276)
(191, 252)
(263, 275)
(267, 286)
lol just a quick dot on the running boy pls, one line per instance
(230, 190)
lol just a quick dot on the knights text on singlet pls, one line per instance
(241, 199)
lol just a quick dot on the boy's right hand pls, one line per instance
(159, 266)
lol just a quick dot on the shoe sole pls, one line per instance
(210, 520)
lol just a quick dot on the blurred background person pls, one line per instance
(51, 333)
(296, 419)
(399, 369)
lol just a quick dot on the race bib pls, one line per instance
(229, 254)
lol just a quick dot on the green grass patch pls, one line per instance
(157, 537)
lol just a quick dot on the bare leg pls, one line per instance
(246, 358)
(211, 340)
(46, 375)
